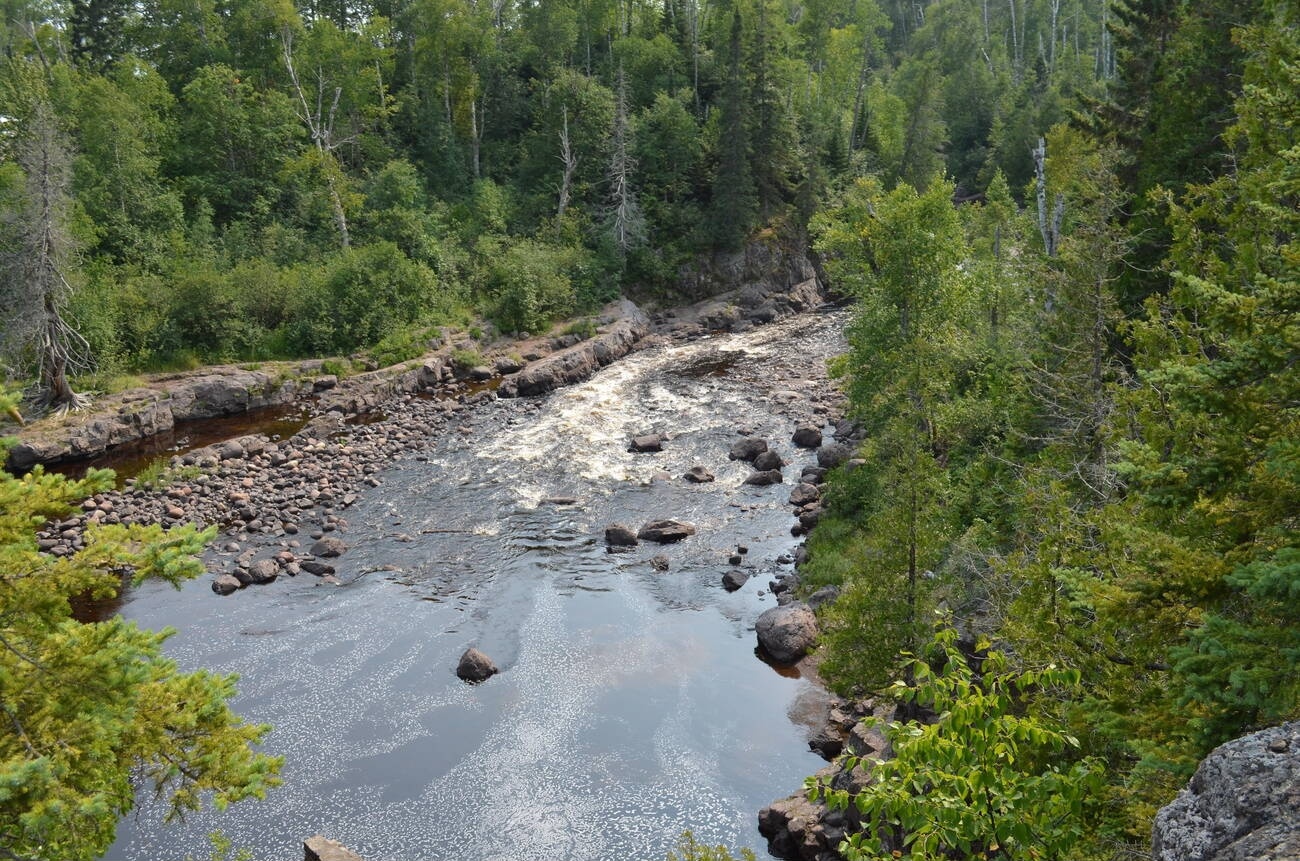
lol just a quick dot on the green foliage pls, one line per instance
(92, 709)
(989, 777)
(159, 474)
(689, 849)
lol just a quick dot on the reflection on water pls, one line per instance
(630, 705)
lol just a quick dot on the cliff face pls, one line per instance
(1243, 803)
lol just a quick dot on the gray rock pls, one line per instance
(823, 596)
(698, 475)
(1240, 805)
(734, 579)
(833, 454)
(475, 666)
(807, 436)
(224, 584)
(747, 448)
(647, 443)
(659, 562)
(787, 633)
(320, 569)
(329, 547)
(617, 535)
(805, 493)
(263, 571)
(319, 848)
(768, 460)
(764, 478)
(665, 531)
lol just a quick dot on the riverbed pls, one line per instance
(631, 704)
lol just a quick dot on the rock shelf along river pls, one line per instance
(630, 704)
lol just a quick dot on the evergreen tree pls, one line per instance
(732, 209)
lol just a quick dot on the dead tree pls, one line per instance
(626, 223)
(38, 247)
(320, 120)
(570, 161)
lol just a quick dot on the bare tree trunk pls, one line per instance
(475, 137)
(320, 125)
(570, 161)
(1049, 230)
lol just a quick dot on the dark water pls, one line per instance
(630, 705)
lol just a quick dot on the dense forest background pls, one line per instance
(1068, 227)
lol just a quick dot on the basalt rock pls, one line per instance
(763, 478)
(698, 475)
(747, 448)
(807, 436)
(319, 848)
(474, 666)
(787, 633)
(665, 531)
(617, 535)
(646, 444)
(578, 362)
(769, 460)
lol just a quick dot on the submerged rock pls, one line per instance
(765, 477)
(475, 666)
(618, 535)
(698, 475)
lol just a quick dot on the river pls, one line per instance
(631, 704)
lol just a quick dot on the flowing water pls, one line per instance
(631, 704)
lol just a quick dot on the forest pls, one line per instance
(1068, 229)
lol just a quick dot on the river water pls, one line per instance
(631, 704)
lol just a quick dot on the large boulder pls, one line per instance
(833, 454)
(1241, 804)
(769, 460)
(329, 547)
(474, 666)
(763, 478)
(225, 584)
(665, 531)
(807, 436)
(698, 475)
(805, 493)
(617, 535)
(787, 633)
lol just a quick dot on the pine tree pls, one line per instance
(733, 205)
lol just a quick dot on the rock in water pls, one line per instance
(787, 633)
(617, 535)
(805, 493)
(224, 584)
(329, 547)
(833, 454)
(747, 449)
(319, 848)
(807, 436)
(665, 531)
(734, 579)
(764, 478)
(769, 460)
(475, 666)
(647, 443)
(1240, 805)
(698, 475)
(263, 571)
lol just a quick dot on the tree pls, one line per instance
(733, 205)
(626, 223)
(94, 711)
(988, 777)
(33, 267)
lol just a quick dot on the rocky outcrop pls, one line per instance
(1243, 803)
(580, 361)
(320, 848)
(665, 531)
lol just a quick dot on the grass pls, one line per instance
(159, 474)
(584, 328)
(466, 359)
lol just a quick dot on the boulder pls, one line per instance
(764, 477)
(617, 535)
(768, 460)
(824, 595)
(648, 443)
(320, 569)
(474, 666)
(787, 633)
(659, 562)
(1240, 805)
(833, 454)
(805, 493)
(807, 436)
(665, 531)
(698, 475)
(329, 547)
(747, 448)
(319, 848)
(224, 584)
(263, 571)
(734, 579)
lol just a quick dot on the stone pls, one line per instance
(617, 535)
(698, 475)
(764, 478)
(787, 633)
(659, 562)
(1240, 804)
(319, 848)
(734, 579)
(824, 595)
(768, 460)
(647, 443)
(224, 584)
(474, 666)
(665, 531)
(263, 571)
(747, 448)
(833, 454)
(807, 436)
(320, 569)
(329, 547)
(805, 493)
